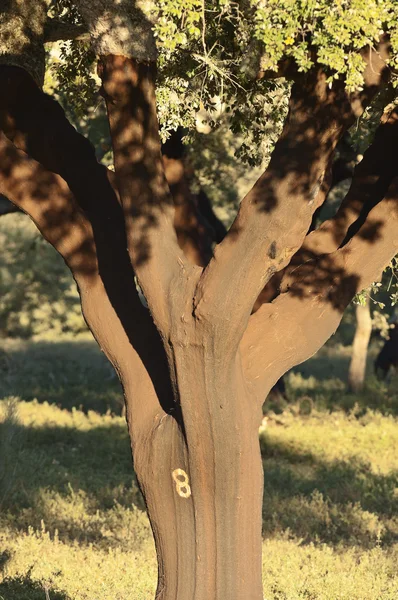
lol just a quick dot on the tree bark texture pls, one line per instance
(197, 365)
(357, 370)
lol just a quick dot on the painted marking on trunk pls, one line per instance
(181, 479)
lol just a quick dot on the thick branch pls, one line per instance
(94, 247)
(300, 321)
(160, 265)
(276, 214)
(371, 180)
(194, 233)
(206, 209)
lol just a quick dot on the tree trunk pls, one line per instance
(202, 482)
(357, 370)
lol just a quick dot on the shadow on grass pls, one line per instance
(326, 364)
(76, 481)
(70, 373)
(25, 589)
(336, 502)
(81, 483)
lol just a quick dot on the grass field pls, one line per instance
(72, 521)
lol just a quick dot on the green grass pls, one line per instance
(72, 521)
(69, 372)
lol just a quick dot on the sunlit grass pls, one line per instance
(72, 520)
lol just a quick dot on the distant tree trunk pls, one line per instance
(357, 370)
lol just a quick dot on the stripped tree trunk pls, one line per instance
(357, 370)
(196, 366)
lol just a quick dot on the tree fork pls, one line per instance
(275, 216)
(319, 294)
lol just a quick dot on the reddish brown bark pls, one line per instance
(129, 92)
(194, 234)
(222, 520)
(372, 177)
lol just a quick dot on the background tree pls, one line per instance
(196, 366)
(357, 370)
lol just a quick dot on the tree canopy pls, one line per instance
(233, 50)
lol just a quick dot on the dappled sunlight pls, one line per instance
(330, 478)
(52, 479)
(77, 517)
(38, 559)
(197, 321)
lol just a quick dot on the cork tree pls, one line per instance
(194, 360)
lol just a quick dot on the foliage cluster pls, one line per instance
(211, 52)
(329, 34)
(209, 56)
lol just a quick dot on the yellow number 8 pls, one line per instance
(182, 483)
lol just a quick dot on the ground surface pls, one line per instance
(72, 525)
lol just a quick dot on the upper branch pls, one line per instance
(129, 91)
(47, 199)
(81, 216)
(93, 246)
(275, 216)
(194, 230)
(295, 325)
(371, 180)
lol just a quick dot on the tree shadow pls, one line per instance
(22, 588)
(91, 497)
(76, 481)
(69, 373)
(335, 502)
